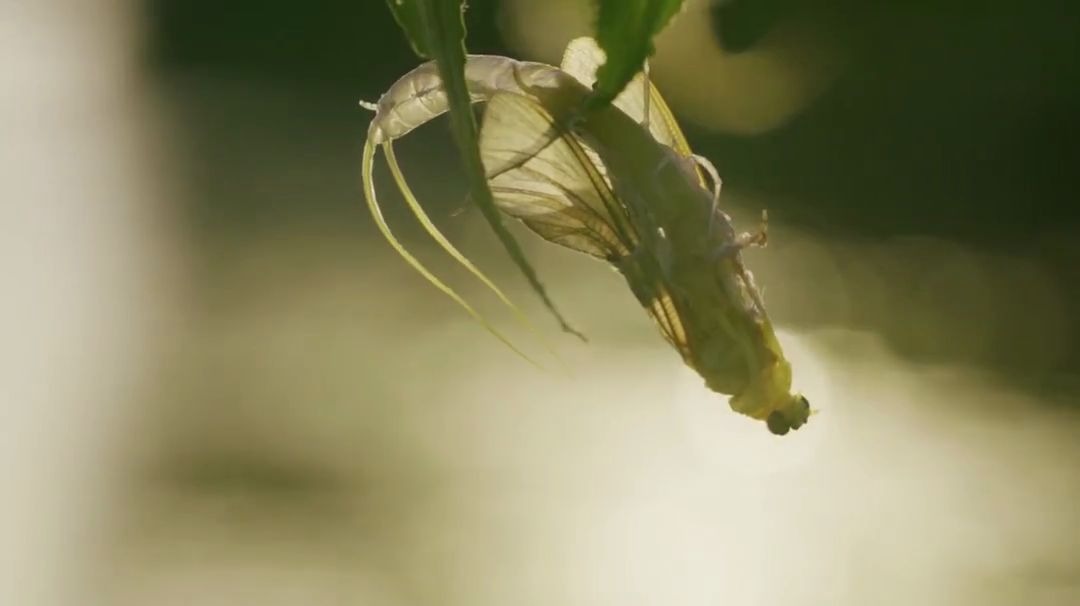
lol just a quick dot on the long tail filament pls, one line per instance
(384, 228)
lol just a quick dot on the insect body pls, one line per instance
(619, 184)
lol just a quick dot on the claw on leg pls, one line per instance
(761, 238)
(745, 240)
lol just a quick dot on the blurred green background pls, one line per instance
(952, 120)
(323, 428)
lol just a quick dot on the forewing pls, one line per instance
(662, 309)
(581, 60)
(563, 193)
(560, 192)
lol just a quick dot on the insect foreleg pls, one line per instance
(683, 162)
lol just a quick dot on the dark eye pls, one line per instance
(777, 423)
(805, 403)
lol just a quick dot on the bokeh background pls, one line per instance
(221, 387)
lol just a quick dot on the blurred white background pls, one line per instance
(85, 259)
(278, 412)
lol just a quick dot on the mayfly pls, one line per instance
(620, 184)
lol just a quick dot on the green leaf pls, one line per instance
(409, 15)
(625, 30)
(436, 30)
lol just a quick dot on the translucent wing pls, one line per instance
(663, 311)
(581, 59)
(563, 193)
(560, 192)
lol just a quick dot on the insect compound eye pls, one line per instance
(801, 412)
(778, 423)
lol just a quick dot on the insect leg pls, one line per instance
(646, 95)
(744, 240)
(717, 183)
